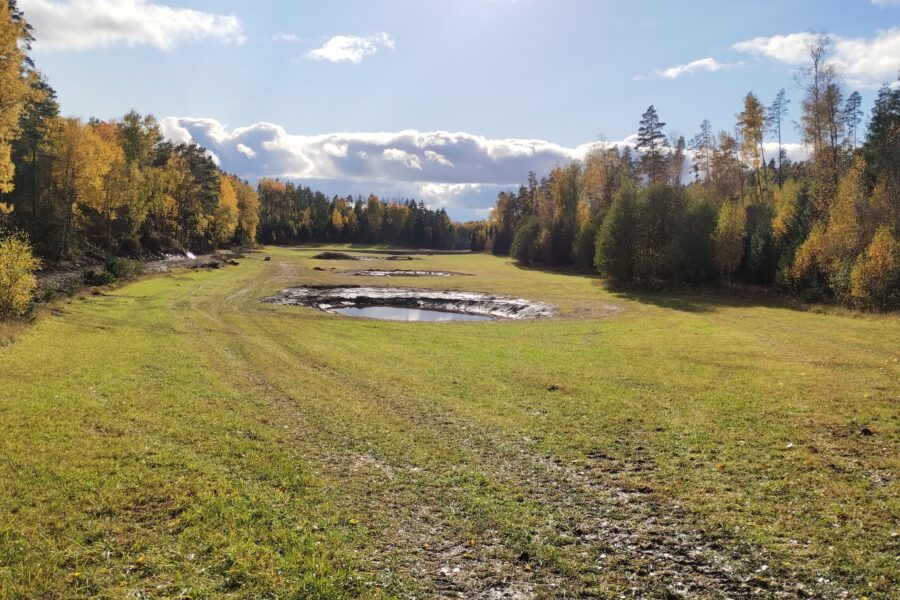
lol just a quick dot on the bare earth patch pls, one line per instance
(331, 298)
(329, 255)
(402, 273)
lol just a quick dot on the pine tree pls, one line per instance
(703, 145)
(677, 162)
(852, 116)
(651, 144)
(775, 115)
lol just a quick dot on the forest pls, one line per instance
(712, 209)
(716, 208)
(74, 190)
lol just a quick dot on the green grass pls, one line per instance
(178, 438)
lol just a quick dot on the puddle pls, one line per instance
(393, 313)
(385, 302)
(402, 273)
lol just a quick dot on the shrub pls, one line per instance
(17, 280)
(123, 268)
(113, 270)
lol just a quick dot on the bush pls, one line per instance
(123, 268)
(17, 280)
(113, 270)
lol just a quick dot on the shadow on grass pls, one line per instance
(706, 298)
(681, 296)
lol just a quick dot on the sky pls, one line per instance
(447, 101)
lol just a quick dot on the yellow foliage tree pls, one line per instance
(784, 201)
(875, 279)
(83, 159)
(17, 280)
(807, 260)
(15, 86)
(729, 238)
(248, 210)
(223, 222)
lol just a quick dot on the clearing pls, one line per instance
(178, 437)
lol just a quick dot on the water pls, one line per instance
(393, 313)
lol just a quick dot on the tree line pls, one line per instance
(294, 214)
(71, 188)
(826, 227)
(104, 187)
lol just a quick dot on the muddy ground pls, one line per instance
(344, 256)
(329, 297)
(402, 273)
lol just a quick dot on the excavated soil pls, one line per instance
(402, 273)
(331, 298)
(344, 256)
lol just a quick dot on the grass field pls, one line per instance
(176, 437)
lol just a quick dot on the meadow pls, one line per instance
(177, 438)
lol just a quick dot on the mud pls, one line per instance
(330, 298)
(344, 256)
(402, 273)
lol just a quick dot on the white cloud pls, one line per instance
(702, 64)
(351, 48)
(246, 151)
(82, 24)
(459, 170)
(286, 37)
(438, 158)
(795, 152)
(407, 155)
(402, 156)
(865, 62)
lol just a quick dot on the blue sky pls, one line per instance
(513, 84)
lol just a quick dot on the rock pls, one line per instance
(866, 431)
(267, 259)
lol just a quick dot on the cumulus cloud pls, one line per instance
(248, 152)
(865, 62)
(461, 171)
(351, 48)
(82, 24)
(702, 64)
(438, 158)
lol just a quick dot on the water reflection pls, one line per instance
(393, 313)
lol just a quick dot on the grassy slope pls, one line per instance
(177, 436)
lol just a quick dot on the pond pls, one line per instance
(393, 313)
(411, 304)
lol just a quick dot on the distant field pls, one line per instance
(176, 437)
